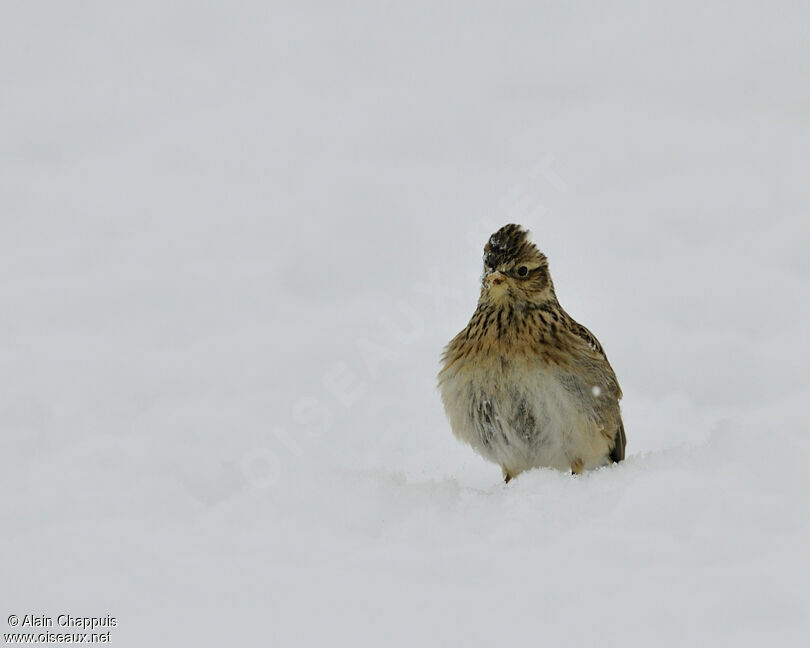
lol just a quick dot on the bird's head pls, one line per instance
(514, 269)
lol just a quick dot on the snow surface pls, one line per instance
(235, 238)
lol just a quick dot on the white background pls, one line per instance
(234, 240)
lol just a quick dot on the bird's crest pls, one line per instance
(509, 243)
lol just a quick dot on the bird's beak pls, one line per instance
(494, 278)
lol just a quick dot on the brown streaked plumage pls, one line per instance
(524, 383)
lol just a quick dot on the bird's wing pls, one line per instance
(591, 358)
(588, 337)
(590, 352)
(599, 364)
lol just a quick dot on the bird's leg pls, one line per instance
(576, 466)
(507, 477)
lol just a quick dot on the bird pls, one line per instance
(524, 384)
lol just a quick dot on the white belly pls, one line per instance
(523, 418)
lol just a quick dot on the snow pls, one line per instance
(236, 238)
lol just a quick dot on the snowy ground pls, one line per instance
(235, 240)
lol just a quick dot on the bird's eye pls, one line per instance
(523, 271)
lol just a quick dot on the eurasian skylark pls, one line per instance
(524, 384)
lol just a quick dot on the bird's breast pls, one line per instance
(518, 413)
